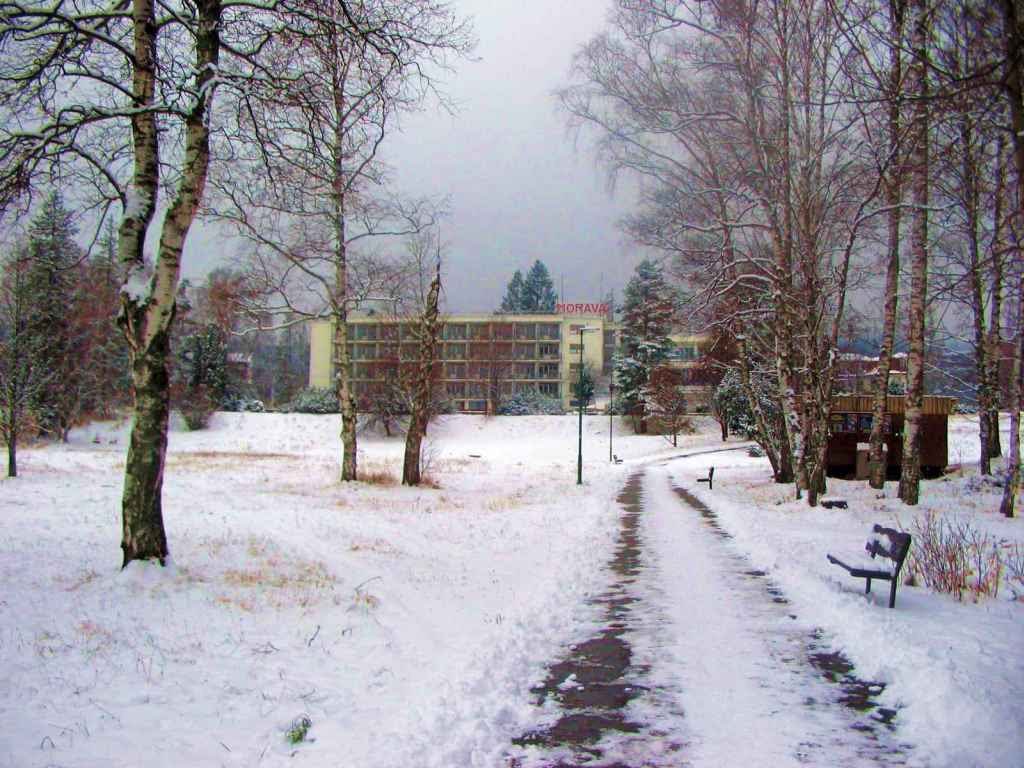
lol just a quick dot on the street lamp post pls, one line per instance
(579, 400)
(611, 413)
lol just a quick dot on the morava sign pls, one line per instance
(581, 309)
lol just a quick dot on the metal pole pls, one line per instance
(611, 411)
(579, 400)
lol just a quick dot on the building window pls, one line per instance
(525, 351)
(524, 371)
(574, 349)
(364, 352)
(455, 370)
(503, 351)
(549, 389)
(548, 331)
(456, 388)
(455, 331)
(477, 406)
(576, 328)
(480, 331)
(456, 352)
(548, 351)
(366, 332)
(526, 330)
(502, 331)
(547, 371)
(389, 332)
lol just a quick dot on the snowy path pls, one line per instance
(698, 661)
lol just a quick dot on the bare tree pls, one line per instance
(117, 100)
(759, 182)
(305, 185)
(1013, 469)
(427, 331)
(666, 402)
(920, 171)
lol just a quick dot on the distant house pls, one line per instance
(850, 422)
(856, 374)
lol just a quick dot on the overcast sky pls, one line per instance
(522, 186)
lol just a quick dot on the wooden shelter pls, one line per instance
(850, 427)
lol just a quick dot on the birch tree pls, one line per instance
(116, 100)
(305, 185)
(918, 90)
(757, 178)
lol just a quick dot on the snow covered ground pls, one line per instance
(409, 625)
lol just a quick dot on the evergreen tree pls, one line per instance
(538, 293)
(54, 258)
(513, 301)
(23, 374)
(648, 309)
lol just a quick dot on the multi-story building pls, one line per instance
(484, 358)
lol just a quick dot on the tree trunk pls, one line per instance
(1013, 469)
(147, 315)
(429, 326)
(346, 399)
(12, 455)
(339, 190)
(143, 536)
(910, 478)
(994, 335)
(877, 458)
(1013, 473)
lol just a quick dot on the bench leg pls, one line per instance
(892, 594)
(867, 590)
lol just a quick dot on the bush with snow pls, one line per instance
(314, 400)
(530, 404)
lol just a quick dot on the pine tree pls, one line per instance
(538, 293)
(513, 301)
(54, 257)
(648, 309)
(23, 373)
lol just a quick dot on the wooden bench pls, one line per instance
(896, 549)
(709, 479)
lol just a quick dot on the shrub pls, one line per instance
(314, 400)
(238, 402)
(951, 556)
(530, 404)
(197, 406)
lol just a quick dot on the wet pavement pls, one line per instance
(597, 680)
(605, 702)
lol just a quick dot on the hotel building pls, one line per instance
(479, 355)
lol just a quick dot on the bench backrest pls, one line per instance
(897, 548)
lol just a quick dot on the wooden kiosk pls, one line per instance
(850, 430)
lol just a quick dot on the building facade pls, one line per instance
(483, 359)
